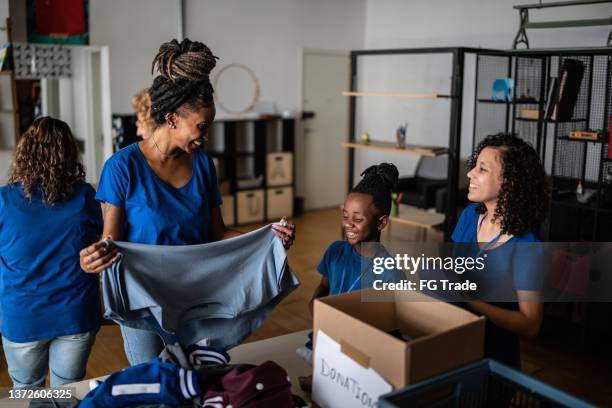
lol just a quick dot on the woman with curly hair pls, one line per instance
(163, 190)
(50, 308)
(509, 195)
(141, 103)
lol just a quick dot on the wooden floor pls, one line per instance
(585, 376)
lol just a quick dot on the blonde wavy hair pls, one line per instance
(47, 158)
(141, 103)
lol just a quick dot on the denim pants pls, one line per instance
(140, 345)
(64, 356)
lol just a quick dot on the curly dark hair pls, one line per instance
(184, 78)
(47, 158)
(524, 194)
(379, 181)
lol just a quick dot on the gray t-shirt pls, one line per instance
(221, 291)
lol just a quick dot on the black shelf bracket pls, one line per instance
(524, 24)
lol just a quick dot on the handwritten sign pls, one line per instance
(338, 381)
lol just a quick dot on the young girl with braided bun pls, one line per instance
(163, 190)
(364, 215)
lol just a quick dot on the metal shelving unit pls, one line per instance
(569, 161)
(455, 100)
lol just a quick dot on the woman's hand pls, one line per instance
(524, 322)
(96, 257)
(285, 231)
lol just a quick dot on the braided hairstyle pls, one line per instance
(184, 78)
(379, 181)
(523, 197)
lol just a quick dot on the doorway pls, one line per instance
(325, 74)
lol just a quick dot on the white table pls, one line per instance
(279, 349)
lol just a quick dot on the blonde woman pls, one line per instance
(141, 103)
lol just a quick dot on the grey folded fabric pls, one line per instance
(220, 291)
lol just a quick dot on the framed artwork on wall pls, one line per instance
(58, 21)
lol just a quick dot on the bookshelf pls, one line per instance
(249, 153)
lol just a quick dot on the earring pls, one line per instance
(172, 126)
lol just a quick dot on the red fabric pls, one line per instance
(570, 272)
(266, 385)
(63, 17)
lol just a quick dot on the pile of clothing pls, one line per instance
(196, 376)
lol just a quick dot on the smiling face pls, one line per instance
(192, 127)
(360, 220)
(486, 177)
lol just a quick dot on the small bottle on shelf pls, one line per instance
(579, 189)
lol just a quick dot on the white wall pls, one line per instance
(133, 30)
(444, 23)
(265, 35)
(474, 23)
(268, 35)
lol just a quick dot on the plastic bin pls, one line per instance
(486, 383)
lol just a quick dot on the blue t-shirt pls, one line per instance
(347, 270)
(511, 266)
(155, 212)
(43, 291)
(514, 265)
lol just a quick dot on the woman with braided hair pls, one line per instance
(163, 190)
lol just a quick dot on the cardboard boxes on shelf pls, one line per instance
(279, 169)
(280, 202)
(224, 187)
(227, 210)
(443, 336)
(250, 206)
(530, 114)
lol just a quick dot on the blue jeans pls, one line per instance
(64, 356)
(140, 345)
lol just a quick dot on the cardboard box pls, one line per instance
(227, 210)
(444, 337)
(250, 206)
(279, 169)
(280, 202)
(530, 114)
(225, 187)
